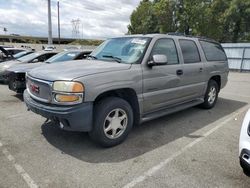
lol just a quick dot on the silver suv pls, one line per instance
(127, 81)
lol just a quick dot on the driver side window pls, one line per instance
(166, 47)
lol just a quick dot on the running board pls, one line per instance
(170, 110)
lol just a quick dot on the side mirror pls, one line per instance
(158, 60)
(35, 61)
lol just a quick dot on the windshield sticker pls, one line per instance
(138, 41)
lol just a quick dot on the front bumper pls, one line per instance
(245, 159)
(74, 118)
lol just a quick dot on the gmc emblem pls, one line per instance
(34, 88)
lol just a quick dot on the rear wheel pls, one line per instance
(113, 121)
(211, 95)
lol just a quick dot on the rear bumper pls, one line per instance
(74, 118)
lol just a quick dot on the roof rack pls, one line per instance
(191, 36)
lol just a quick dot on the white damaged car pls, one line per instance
(244, 145)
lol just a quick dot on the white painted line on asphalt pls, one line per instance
(162, 164)
(30, 182)
(16, 115)
(234, 94)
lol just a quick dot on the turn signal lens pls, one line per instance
(66, 98)
(66, 86)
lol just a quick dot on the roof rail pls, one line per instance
(191, 36)
(176, 34)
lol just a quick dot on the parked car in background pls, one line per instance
(4, 55)
(17, 74)
(31, 58)
(49, 48)
(126, 81)
(23, 53)
(69, 48)
(244, 145)
(14, 51)
(10, 53)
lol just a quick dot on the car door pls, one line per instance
(193, 69)
(162, 84)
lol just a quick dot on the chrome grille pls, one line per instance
(39, 89)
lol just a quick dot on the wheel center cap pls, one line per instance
(115, 123)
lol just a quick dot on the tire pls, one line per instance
(211, 95)
(110, 110)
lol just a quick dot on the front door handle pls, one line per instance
(201, 70)
(179, 72)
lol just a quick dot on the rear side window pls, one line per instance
(166, 47)
(213, 51)
(189, 51)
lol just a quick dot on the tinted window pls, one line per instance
(213, 51)
(166, 47)
(189, 51)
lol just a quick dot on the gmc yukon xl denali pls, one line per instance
(127, 81)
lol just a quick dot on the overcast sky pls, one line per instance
(99, 18)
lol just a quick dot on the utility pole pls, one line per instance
(50, 40)
(58, 16)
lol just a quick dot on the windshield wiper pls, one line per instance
(117, 59)
(93, 57)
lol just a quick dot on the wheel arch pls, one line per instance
(127, 94)
(217, 79)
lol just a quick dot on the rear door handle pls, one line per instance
(179, 72)
(201, 69)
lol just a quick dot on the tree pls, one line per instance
(238, 19)
(165, 15)
(222, 20)
(143, 19)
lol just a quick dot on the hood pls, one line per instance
(74, 69)
(23, 68)
(7, 64)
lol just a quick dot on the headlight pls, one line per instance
(65, 86)
(6, 66)
(67, 92)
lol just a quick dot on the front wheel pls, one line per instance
(211, 95)
(113, 121)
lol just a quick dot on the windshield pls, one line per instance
(123, 50)
(29, 57)
(64, 56)
(21, 54)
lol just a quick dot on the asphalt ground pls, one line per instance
(191, 148)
